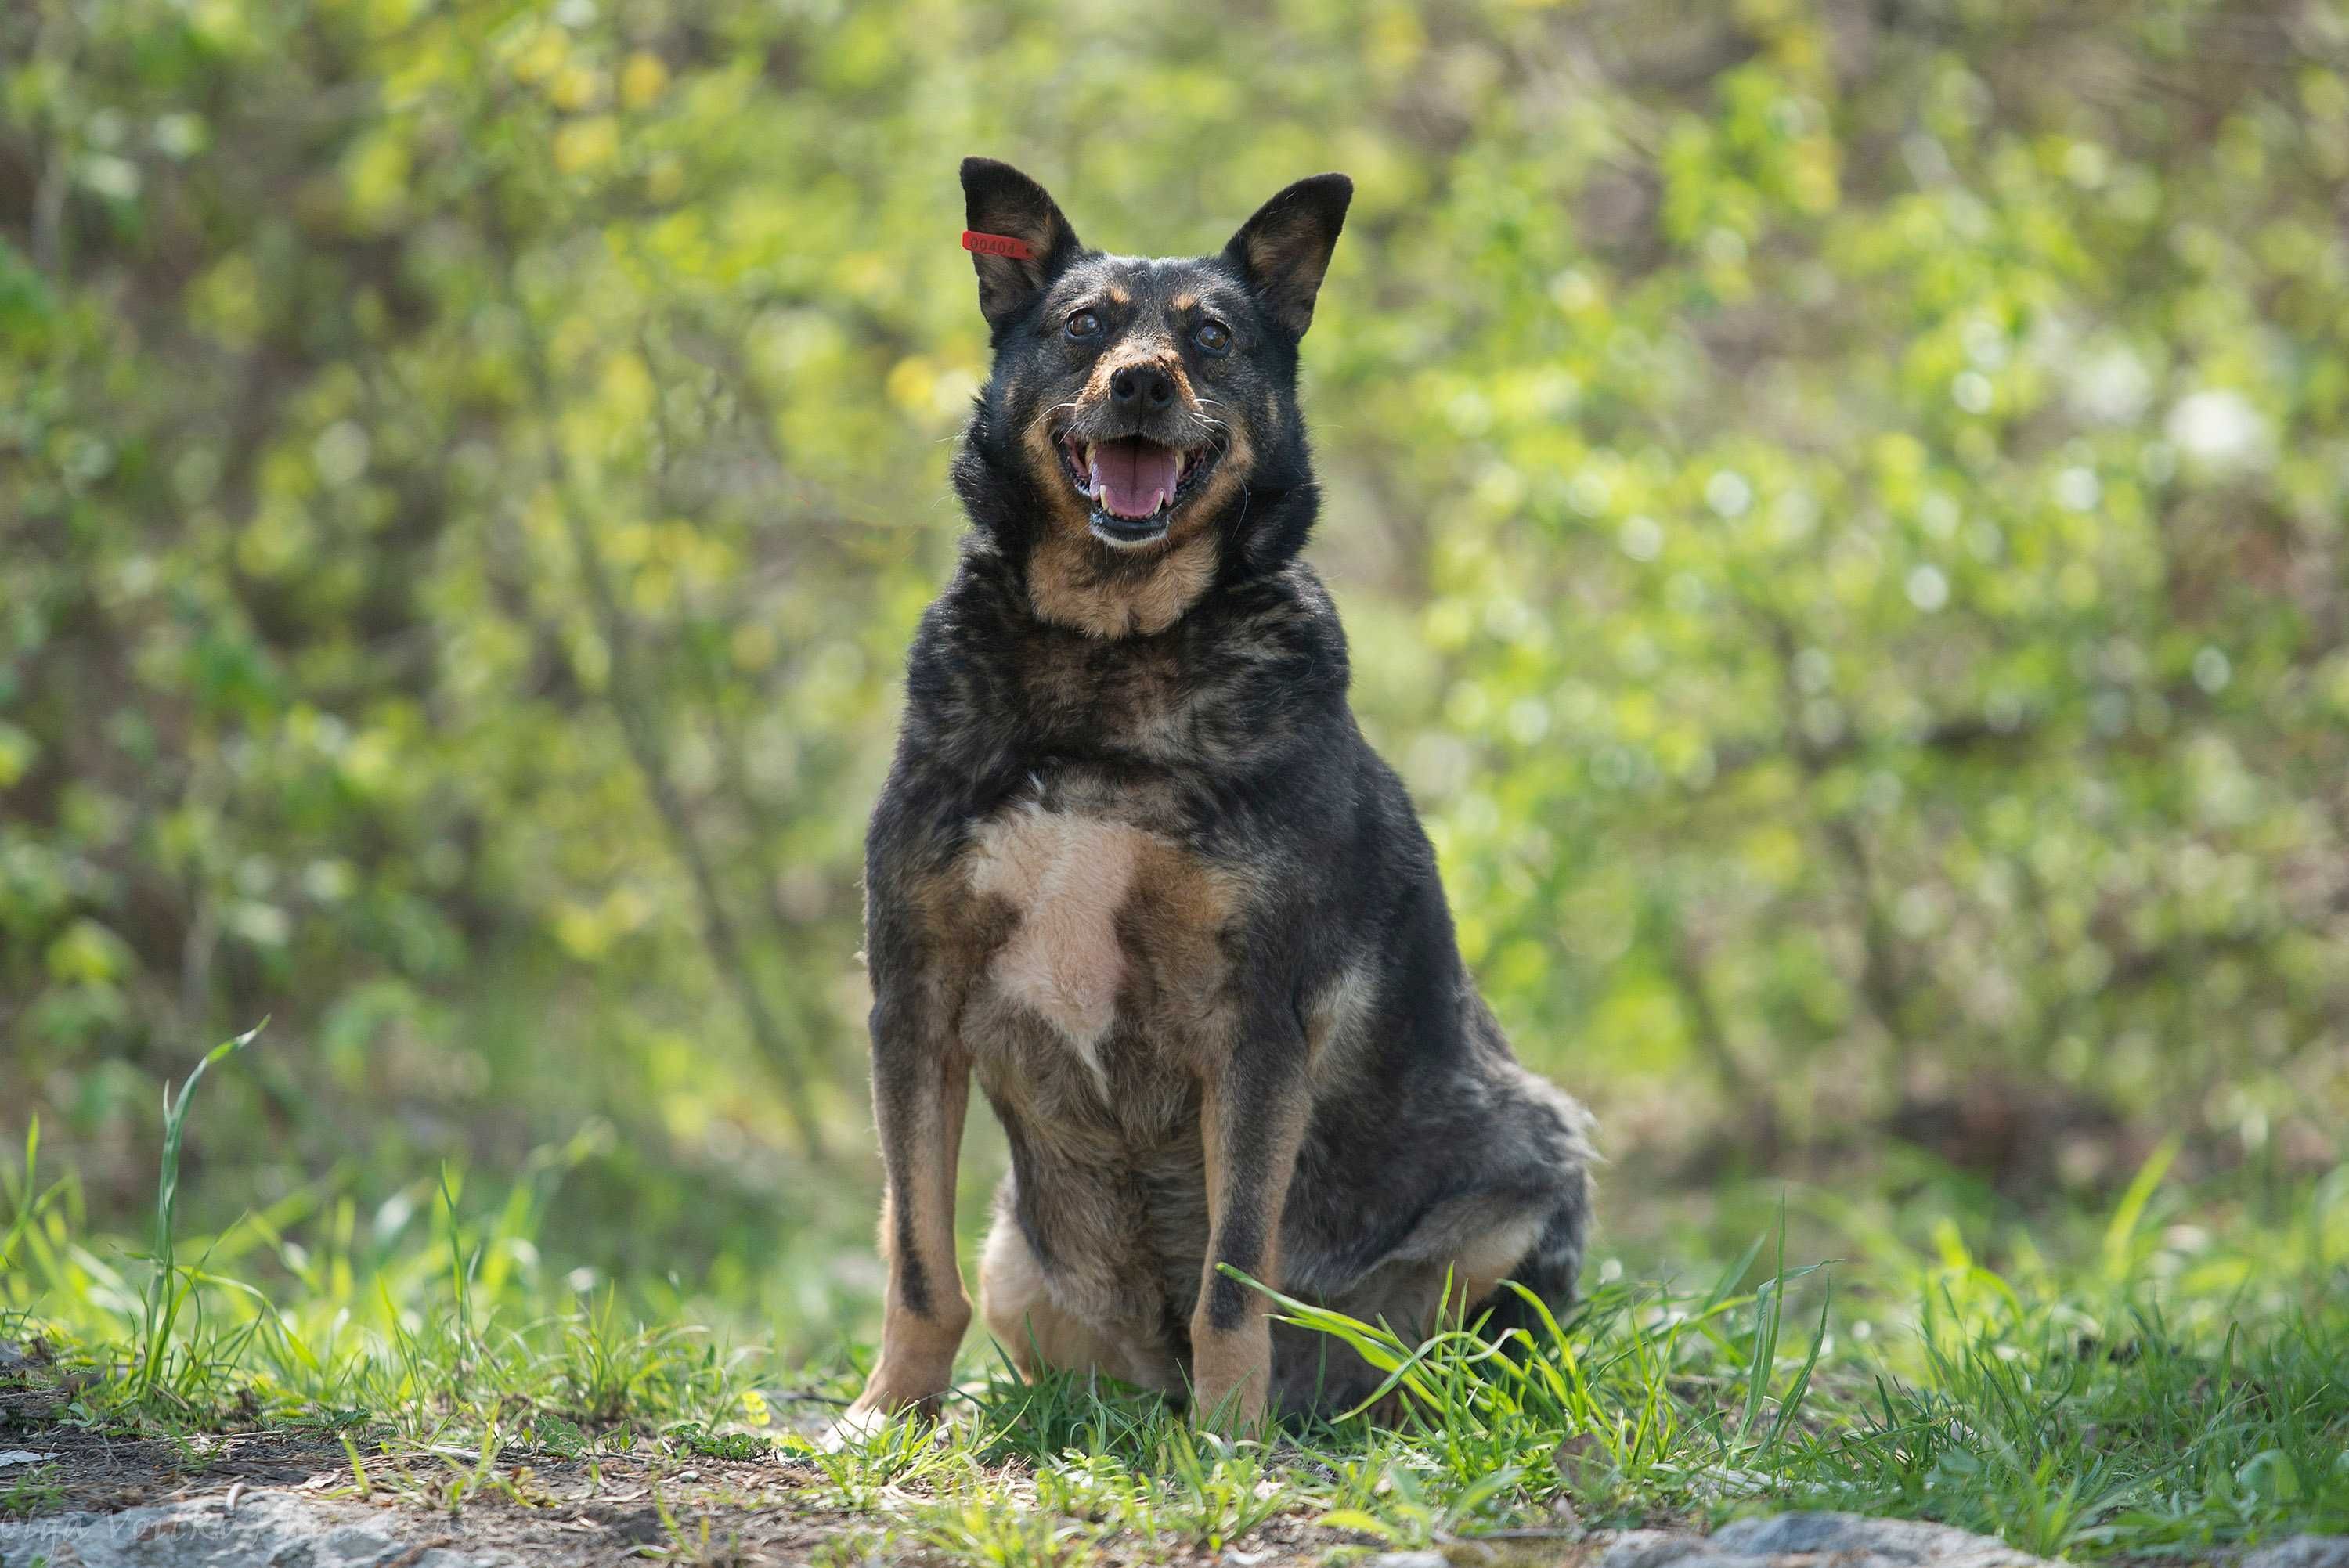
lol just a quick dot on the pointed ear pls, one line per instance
(1284, 250)
(999, 200)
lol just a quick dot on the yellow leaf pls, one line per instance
(542, 57)
(587, 144)
(643, 79)
(577, 87)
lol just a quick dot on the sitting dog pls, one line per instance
(1136, 869)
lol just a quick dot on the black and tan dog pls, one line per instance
(1136, 870)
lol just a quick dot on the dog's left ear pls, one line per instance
(1004, 202)
(1284, 250)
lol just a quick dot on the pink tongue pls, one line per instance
(1132, 477)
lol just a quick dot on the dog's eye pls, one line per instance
(1085, 324)
(1213, 336)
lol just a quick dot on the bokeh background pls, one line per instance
(1839, 507)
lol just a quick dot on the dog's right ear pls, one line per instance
(1004, 202)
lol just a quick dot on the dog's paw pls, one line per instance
(1231, 1371)
(1232, 1410)
(873, 1413)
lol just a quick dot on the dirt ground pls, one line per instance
(593, 1513)
(565, 1512)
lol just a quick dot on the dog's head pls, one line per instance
(1142, 411)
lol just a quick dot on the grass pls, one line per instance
(2166, 1377)
(27, 1490)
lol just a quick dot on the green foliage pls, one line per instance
(30, 1490)
(1841, 529)
(168, 1289)
(439, 1329)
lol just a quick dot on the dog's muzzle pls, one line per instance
(1133, 482)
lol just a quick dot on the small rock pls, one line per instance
(21, 1457)
(1894, 1541)
(267, 1527)
(1407, 1560)
(1650, 1548)
(1801, 1540)
(2302, 1552)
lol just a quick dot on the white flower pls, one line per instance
(2219, 430)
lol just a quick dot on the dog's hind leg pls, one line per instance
(1037, 1334)
(1550, 1268)
(1456, 1275)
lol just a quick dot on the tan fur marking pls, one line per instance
(1036, 1333)
(1044, 457)
(1075, 581)
(1068, 877)
(1180, 930)
(1231, 1370)
(917, 1349)
(1266, 251)
(1181, 577)
(1333, 1017)
(1157, 353)
(1231, 473)
(958, 935)
(1485, 1263)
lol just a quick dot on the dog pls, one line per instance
(1136, 870)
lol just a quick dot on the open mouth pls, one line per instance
(1133, 482)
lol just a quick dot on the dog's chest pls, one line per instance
(1136, 698)
(1112, 955)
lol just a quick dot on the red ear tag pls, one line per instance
(997, 245)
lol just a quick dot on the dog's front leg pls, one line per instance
(1252, 1119)
(921, 1088)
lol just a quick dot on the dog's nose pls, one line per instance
(1140, 387)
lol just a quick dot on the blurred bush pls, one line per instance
(1839, 506)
